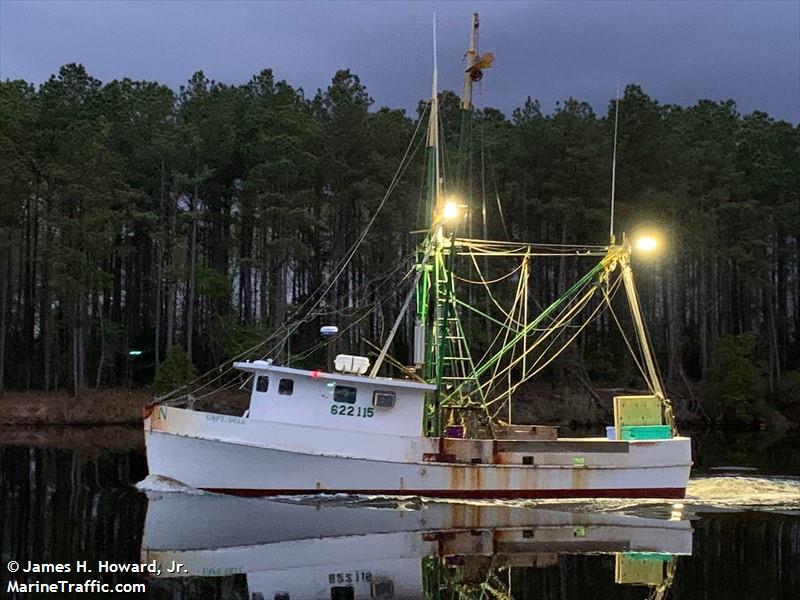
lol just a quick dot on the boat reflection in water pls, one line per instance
(339, 548)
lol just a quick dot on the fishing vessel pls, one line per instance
(444, 426)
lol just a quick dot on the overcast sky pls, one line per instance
(678, 51)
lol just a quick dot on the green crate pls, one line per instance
(651, 556)
(646, 432)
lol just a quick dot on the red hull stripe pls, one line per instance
(472, 494)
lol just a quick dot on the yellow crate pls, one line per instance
(636, 411)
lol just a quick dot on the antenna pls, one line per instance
(434, 43)
(433, 129)
(614, 167)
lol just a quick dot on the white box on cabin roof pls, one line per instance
(347, 363)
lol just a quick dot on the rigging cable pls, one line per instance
(628, 343)
(345, 260)
(291, 327)
(573, 290)
(269, 338)
(535, 371)
(483, 281)
(497, 194)
(315, 347)
(489, 292)
(571, 312)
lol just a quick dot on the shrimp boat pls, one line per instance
(444, 427)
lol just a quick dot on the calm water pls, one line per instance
(736, 536)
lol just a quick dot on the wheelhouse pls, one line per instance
(341, 401)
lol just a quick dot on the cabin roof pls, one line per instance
(260, 366)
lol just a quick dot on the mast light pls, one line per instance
(646, 243)
(450, 211)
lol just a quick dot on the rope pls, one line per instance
(558, 324)
(522, 245)
(489, 292)
(517, 297)
(231, 360)
(627, 342)
(483, 281)
(579, 285)
(535, 371)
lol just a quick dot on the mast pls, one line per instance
(435, 305)
(472, 59)
(438, 336)
(425, 334)
(472, 74)
(611, 237)
(465, 133)
(434, 181)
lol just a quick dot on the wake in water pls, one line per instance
(165, 485)
(704, 494)
(745, 492)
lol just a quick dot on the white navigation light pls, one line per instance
(328, 330)
(646, 243)
(450, 211)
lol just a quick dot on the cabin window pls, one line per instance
(262, 383)
(346, 394)
(286, 387)
(383, 399)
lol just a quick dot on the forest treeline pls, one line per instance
(135, 220)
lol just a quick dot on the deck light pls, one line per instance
(450, 211)
(646, 243)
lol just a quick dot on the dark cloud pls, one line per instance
(678, 51)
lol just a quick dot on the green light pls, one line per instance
(134, 352)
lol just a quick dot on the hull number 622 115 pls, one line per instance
(353, 411)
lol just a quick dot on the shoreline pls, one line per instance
(94, 407)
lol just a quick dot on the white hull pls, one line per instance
(250, 457)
